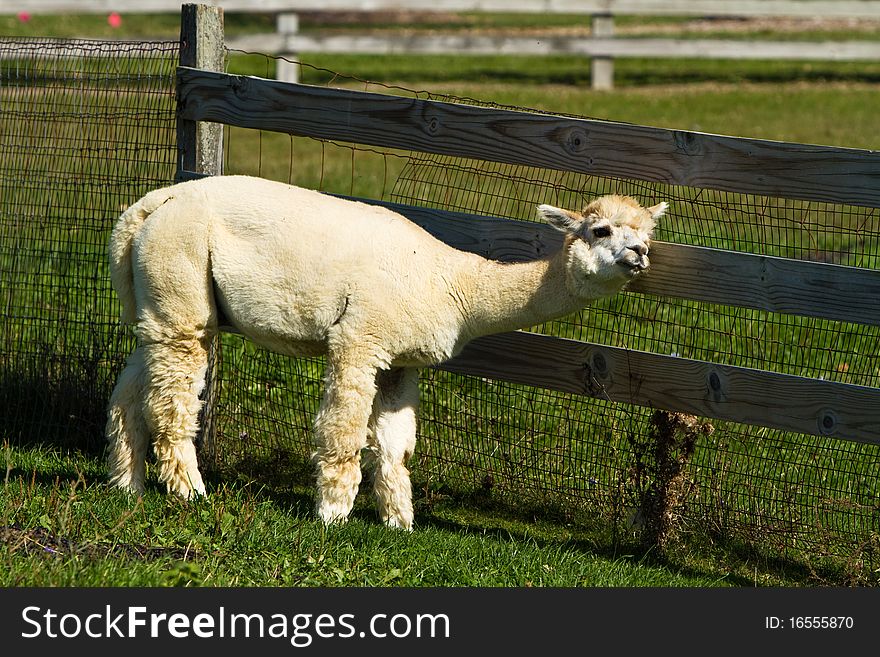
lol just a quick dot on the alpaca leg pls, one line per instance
(393, 439)
(126, 431)
(175, 378)
(340, 435)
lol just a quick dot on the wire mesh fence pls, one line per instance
(85, 128)
(88, 127)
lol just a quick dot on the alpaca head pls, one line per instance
(607, 241)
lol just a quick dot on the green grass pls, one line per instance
(70, 530)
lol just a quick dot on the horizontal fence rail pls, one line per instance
(594, 47)
(512, 45)
(750, 396)
(676, 157)
(429, 44)
(780, 285)
(725, 392)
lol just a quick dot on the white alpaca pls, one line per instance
(303, 273)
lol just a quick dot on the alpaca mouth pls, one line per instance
(633, 268)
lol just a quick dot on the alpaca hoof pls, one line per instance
(190, 495)
(135, 488)
(334, 503)
(188, 490)
(399, 522)
(197, 495)
(333, 514)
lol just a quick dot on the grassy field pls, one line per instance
(63, 527)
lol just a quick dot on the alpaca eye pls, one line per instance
(602, 231)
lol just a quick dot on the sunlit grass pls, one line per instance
(61, 526)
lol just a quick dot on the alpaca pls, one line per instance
(303, 273)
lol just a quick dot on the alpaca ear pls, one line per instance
(563, 220)
(658, 210)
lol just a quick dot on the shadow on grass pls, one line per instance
(65, 410)
(284, 478)
(287, 480)
(734, 558)
(39, 540)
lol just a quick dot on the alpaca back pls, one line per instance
(288, 262)
(283, 265)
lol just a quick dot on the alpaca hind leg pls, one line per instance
(392, 440)
(126, 430)
(175, 378)
(340, 435)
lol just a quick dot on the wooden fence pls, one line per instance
(602, 47)
(787, 170)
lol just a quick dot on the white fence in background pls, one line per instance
(602, 47)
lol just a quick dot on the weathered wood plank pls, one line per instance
(782, 285)
(700, 388)
(757, 397)
(821, 173)
(509, 45)
(477, 44)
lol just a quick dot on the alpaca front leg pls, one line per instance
(340, 435)
(126, 431)
(175, 376)
(393, 440)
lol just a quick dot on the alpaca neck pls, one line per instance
(508, 296)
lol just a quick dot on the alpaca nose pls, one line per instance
(641, 249)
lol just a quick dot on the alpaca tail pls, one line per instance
(121, 241)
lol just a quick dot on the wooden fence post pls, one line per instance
(199, 144)
(602, 68)
(287, 71)
(200, 151)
